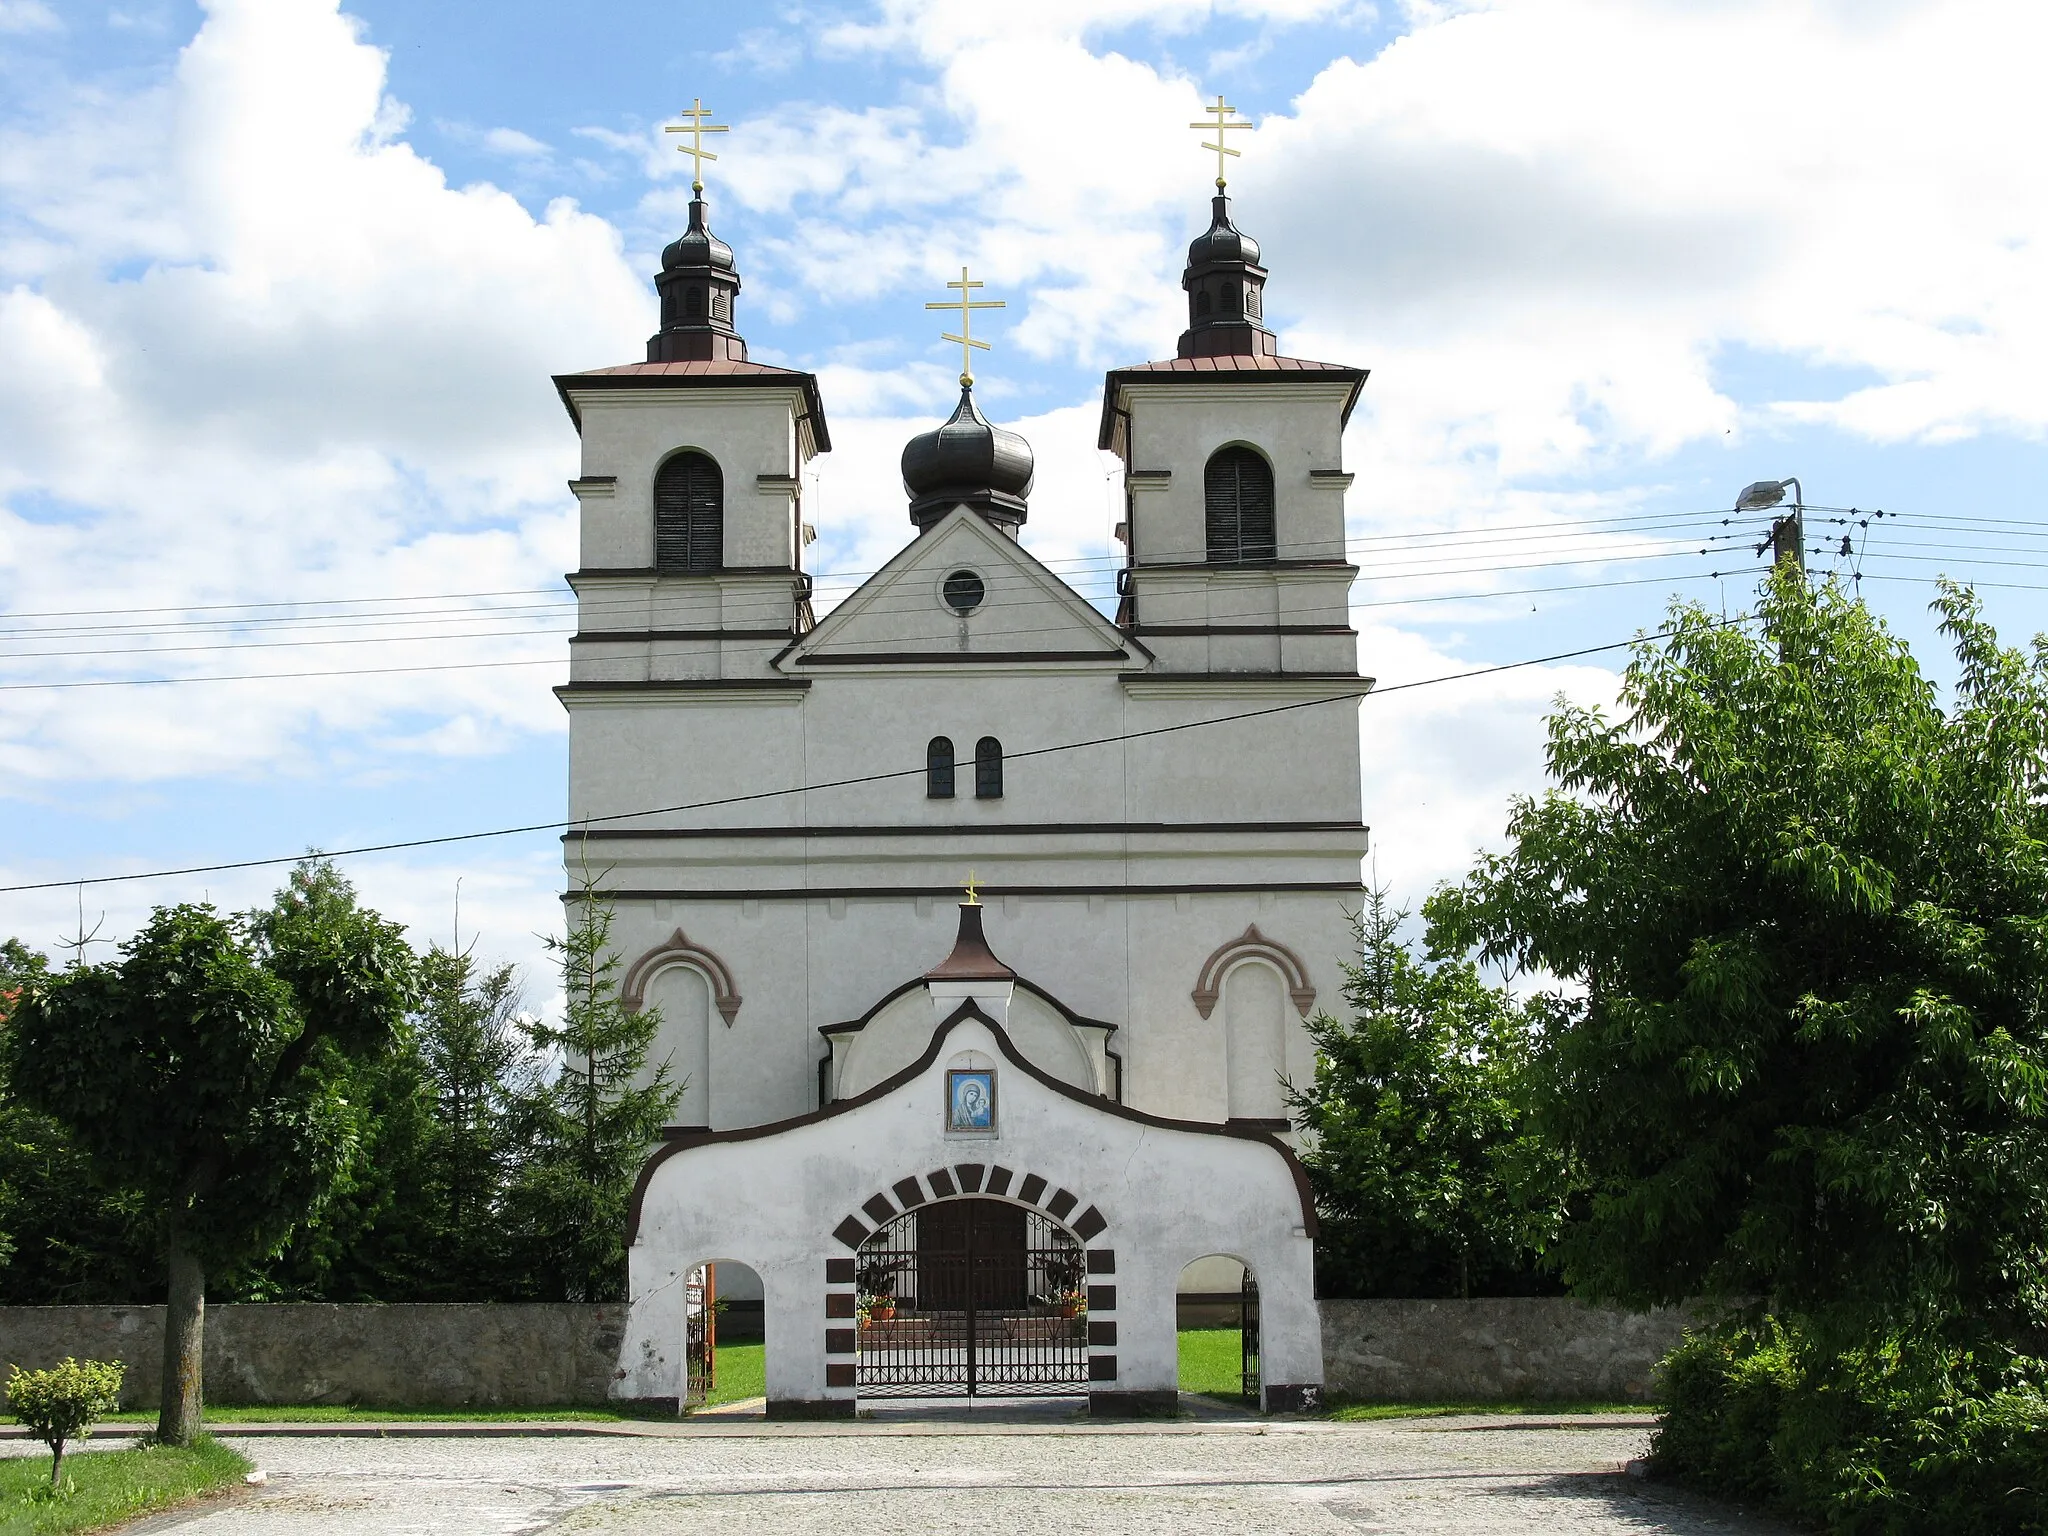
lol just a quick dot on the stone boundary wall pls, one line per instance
(1505, 1350)
(429, 1355)
(520, 1355)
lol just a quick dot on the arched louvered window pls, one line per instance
(1239, 491)
(938, 768)
(988, 769)
(689, 514)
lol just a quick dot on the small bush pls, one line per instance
(1724, 1394)
(61, 1403)
(1896, 1441)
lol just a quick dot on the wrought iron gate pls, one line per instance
(1248, 1335)
(972, 1297)
(700, 1334)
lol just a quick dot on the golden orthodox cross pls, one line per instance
(1225, 117)
(973, 892)
(696, 128)
(966, 306)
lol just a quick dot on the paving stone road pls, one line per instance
(1439, 1477)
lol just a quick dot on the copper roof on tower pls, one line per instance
(971, 959)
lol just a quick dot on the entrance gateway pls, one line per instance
(972, 1226)
(971, 1297)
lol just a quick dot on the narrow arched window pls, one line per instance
(938, 768)
(1239, 491)
(988, 769)
(689, 514)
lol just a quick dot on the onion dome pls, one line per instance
(968, 460)
(699, 286)
(1225, 286)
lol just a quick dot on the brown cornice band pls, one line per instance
(993, 829)
(643, 636)
(644, 572)
(899, 892)
(672, 1144)
(1331, 564)
(1244, 629)
(955, 658)
(705, 684)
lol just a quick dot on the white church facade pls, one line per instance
(970, 1147)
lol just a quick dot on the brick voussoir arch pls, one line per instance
(970, 1179)
(1253, 945)
(961, 1181)
(678, 949)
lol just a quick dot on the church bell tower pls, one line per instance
(691, 567)
(1235, 559)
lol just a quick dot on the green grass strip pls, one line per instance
(101, 1487)
(1360, 1413)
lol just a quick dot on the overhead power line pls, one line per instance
(570, 825)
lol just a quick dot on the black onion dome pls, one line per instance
(697, 246)
(1222, 240)
(968, 460)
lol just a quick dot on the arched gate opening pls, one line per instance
(971, 1297)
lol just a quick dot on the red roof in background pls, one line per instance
(696, 371)
(1191, 368)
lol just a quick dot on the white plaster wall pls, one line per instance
(1254, 1009)
(1298, 426)
(751, 432)
(1169, 1196)
(800, 964)
(900, 1032)
(682, 1040)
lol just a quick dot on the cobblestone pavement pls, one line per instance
(1441, 1477)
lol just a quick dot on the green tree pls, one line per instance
(63, 1237)
(1802, 915)
(61, 1404)
(474, 1051)
(587, 1130)
(203, 1066)
(1426, 1181)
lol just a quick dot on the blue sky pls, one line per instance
(281, 286)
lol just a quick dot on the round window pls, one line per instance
(963, 591)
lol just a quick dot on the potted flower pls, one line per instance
(1063, 1274)
(876, 1280)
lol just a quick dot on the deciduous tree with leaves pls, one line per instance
(202, 1066)
(1427, 1182)
(1802, 911)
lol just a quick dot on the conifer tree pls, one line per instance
(589, 1128)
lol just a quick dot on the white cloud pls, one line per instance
(20, 16)
(312, 368)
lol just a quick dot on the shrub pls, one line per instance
(61, 1403)
(1896, 1441)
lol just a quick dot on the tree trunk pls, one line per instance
(178, 1421)
(56, 1463)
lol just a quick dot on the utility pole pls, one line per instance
(1787, 541)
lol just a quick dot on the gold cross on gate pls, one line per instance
(973, 892)
(1225, 120)
(696, 128)
(966, 306)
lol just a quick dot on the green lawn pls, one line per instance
(1356, 1413)
(370, 1413)
(1211, 1363)
(742, 1372)
(101, 1487)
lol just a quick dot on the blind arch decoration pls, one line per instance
(988, 769)
(1238, 492)
(938, 768)
(689, 513)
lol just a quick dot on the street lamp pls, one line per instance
(1788, 534)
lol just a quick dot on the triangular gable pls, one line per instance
(900, 617)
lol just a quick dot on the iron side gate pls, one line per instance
(971, 1297)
